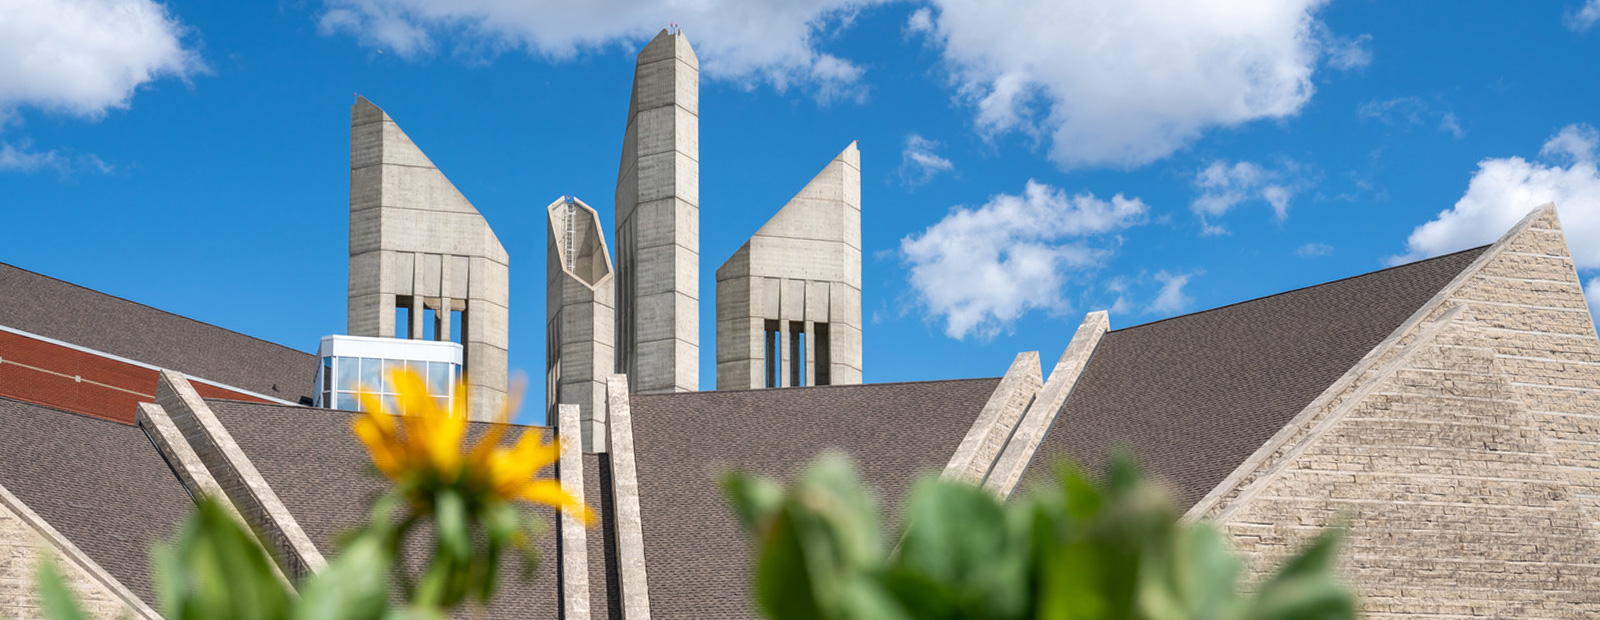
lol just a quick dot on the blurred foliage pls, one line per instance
(1077, 550)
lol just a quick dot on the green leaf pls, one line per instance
(59, 601)
(450, 524)
(354, 586)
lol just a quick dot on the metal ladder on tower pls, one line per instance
(572, 233)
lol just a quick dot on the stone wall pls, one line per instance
(1461, 451)
(25, 540)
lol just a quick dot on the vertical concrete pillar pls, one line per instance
(574, 540)
(579, 303)
(413, 235)
(658, 222)
(804, 266)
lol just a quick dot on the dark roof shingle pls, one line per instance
(1194, 396)
(697, 560)
(324, 477)
(70, 313)
(100, 483)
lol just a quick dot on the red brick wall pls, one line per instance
(32, 370)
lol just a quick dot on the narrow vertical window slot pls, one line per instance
(819, 342)
(402, 317)
(771, 346)
(430, 324)
(457, 323)
(797, 349)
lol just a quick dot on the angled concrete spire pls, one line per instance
(415, 242)
(789, 300)
(578, 317)
(658, 222)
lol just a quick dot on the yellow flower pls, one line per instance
(425, 446)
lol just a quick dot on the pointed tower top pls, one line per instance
(669, 45)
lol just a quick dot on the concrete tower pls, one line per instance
(417, 244)
(658, 222)
(578, 317)
(789, 300)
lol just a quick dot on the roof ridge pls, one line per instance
(1303, 288)
(325, 410)
(807, 387)
(167, 312)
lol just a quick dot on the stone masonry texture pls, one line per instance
(1462, 452)
(22, 547)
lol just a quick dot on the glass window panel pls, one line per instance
(371, 369)
(347, 402)
(347, 368)
(439, 378)
(389, 368)
(391, 405)
(443, 402)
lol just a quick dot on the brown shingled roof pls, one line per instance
(70, 313)
(697, 561)
(1194, 396)
(100, 483)
(321, 473)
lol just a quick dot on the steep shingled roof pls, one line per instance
(100, 483)
(320, 472)
(697, 560)
(1195, 395)
(70, 313)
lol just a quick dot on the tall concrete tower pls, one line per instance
(416, 244)
(579, 302)
(789, 300)
(658, 222)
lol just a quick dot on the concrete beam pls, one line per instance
(237, 476)
(635, 591)
(999, 417)
(573, 546)
(1018, 453)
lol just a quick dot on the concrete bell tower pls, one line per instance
(658, 222)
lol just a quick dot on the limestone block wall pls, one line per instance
(416, 241)
(25, 540)
(1462, 450)
(579, 306)
(800, 270)
(658, 222)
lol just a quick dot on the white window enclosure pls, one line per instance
(351, 364)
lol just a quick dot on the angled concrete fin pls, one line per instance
(573, 544)
(240, 481)
(997, 420)
(1041, 414)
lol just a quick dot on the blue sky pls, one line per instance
(1024, 161)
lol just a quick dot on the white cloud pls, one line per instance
(1584, 18)
(1505, 189)
(746, 40)
(1591, 293)
(1171, 300)
(14, 158)
(1347, 54)
(982, 269)
(1224, 186)
(83, 57)
(1410, 112)
(1127, 82)
(918, 162)
(1310, 250)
